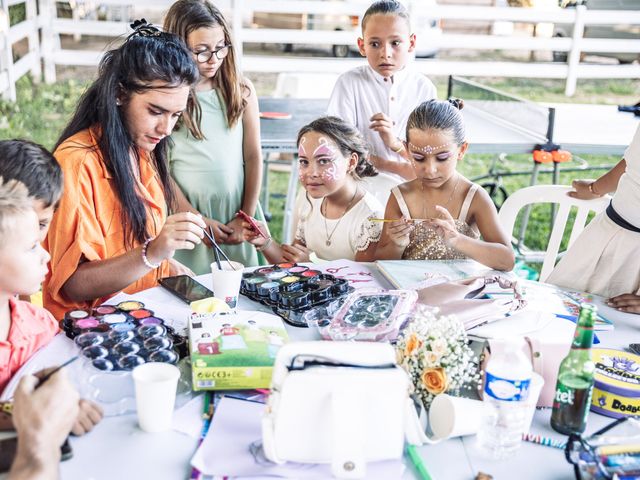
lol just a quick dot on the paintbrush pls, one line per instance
(217, 249)
(52, 372)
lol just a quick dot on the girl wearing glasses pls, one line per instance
(218, 171)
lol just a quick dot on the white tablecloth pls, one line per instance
(117, 449)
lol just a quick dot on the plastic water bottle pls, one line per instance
(507, 380)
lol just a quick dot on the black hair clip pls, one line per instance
(144, 29)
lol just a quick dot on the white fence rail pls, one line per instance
(43, 32)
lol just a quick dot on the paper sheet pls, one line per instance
(226, 450)
(531, 324)
(58, 351)
(517, 325)
(188, 418)
(359, 275)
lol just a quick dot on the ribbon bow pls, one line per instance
(144, 29)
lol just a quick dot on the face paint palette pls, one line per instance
(370, 314)
(291, 289)
(122, 337)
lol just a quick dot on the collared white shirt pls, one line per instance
(361, 92)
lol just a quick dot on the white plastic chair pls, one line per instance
(380, 186)
(551, 194)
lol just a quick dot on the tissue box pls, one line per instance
(234, 351)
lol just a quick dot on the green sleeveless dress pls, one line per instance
(210, 173)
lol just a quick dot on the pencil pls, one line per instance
(388, 220)
(206, 420)
(545, 441)
(418, 464)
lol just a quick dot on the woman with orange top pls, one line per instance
(111, 231)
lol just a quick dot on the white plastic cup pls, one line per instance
(535, 387)
(155, 385)
(455, 416)
(226, 282)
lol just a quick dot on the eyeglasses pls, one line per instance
(205, 55)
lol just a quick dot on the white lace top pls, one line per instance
(333, 239)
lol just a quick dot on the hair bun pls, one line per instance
(457, 102)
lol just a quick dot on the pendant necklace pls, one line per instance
(326, 228)
(424, 198)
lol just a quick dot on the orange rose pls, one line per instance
(412, 344)
(435, 380)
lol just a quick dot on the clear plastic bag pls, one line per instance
(610, 453)
(369, 314)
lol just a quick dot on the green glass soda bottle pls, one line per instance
(575, 378)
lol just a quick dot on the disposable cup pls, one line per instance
(455, 416)
(226, 282)
(535, 387)
(155, 386)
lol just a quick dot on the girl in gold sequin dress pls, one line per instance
(441, 215)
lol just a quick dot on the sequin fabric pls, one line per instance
(426, 244)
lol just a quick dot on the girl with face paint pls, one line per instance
(334, 222)
(441, 215)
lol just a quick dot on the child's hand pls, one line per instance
(220, 231)
(253, 237)
(399, 232)
(628, 302)
(295, 253)
(445, 225)
(384, 126)
(89, 415)
(236, 235)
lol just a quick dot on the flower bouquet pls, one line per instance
(433, 350)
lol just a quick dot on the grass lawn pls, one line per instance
(42, 111)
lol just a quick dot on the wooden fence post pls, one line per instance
(574, 54)
(236, 27)
(34, 40)
(7, 53)
(49, 39)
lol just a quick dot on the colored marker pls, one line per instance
(418, 464)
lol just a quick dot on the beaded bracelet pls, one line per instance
(265, 246)
(144, 254)
(6, 407)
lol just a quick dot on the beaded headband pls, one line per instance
(428, 149)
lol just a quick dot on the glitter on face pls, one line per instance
(428, 149)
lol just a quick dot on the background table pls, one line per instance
(118, 449)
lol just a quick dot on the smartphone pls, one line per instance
(185, 288)
(252, 223)
(8, 447)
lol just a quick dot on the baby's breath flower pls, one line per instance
(436, 343)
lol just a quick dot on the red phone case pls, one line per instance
(251, 222)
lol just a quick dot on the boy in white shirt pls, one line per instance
(377, 98)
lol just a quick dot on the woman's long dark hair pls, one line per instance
(147, 56)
